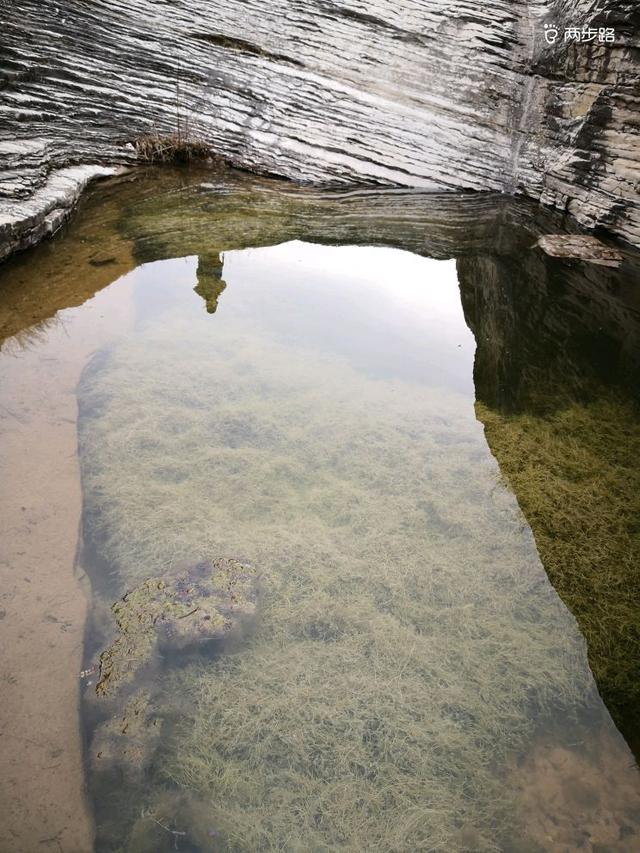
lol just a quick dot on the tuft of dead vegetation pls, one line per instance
(171, 148)
(179, 146)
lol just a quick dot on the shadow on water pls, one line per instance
(556, 375)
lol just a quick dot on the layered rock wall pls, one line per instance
(438, 94)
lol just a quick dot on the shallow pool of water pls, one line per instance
(417, 439)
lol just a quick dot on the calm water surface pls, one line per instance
(417, 437)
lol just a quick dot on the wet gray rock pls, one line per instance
(426, 93)
(24, 221)
(581, 247)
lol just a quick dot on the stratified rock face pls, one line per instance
(440, 94)
(580, 150)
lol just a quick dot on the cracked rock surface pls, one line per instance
(438, 94)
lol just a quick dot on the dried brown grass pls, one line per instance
(171, 148)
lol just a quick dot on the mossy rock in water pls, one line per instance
(176, 611)
(127, 741)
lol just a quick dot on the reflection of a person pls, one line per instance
(210, 284)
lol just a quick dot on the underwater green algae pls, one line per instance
(576, 476)
(407, 640)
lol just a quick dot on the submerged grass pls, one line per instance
(576, 475)
(408, 640)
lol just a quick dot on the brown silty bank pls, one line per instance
(44, 597)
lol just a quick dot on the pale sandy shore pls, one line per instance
(43, 593)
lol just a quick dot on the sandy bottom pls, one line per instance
(44, 596)
(580, 797)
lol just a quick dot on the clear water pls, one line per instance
(293, 393)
